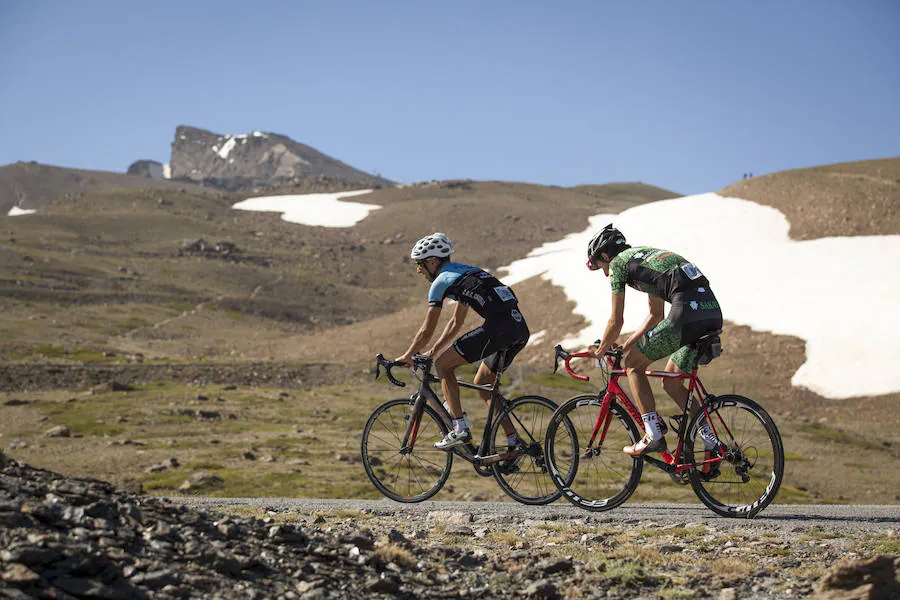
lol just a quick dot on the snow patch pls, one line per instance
(834, 293)
(226, 148)
(325, 210)
(537, 337)
(15, 211)
(167, 171)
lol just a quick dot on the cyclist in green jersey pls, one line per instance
(665, 277)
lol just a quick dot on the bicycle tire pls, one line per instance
(528, 480)
(606, 477)
(748, 449)
(425, 461)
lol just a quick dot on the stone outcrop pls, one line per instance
(254, 160)
(147, 168)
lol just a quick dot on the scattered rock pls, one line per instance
(58, 431)
(875, 579)
(200, 479)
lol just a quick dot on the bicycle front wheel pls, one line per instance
(410, 474)
(526, 477)
(751, 473)
(604, 476)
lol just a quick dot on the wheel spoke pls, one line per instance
(415, 474)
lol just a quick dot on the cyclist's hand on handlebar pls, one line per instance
(594, 352)
(404, 360)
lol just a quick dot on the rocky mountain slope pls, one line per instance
(257, 159)
(31, 185)
(63, 537)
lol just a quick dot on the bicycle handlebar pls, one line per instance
(381, 361)
(615, 355)
(419, 361)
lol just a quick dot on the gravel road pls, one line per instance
(791, 517)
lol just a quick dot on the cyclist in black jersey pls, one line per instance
(665, 277)
(504, 328)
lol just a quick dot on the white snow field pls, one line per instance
(15, 211)
(840, 295)
(326, 210)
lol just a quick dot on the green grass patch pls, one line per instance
(890, 547)
(684, 533)
(235, 483)
(820, 534)
(561, 381)
(820, 433)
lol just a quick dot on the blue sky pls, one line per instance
(684, 94)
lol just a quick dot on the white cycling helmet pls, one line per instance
(436, 244)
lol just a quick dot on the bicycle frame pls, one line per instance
(476, 456)
(614, 393)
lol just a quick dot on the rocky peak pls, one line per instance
(256, 159)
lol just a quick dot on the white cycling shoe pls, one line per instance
(453, 439)
(645, 446)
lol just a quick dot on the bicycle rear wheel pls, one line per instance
(604, 476)
(405, 474)
(751, 473)
(526, 478)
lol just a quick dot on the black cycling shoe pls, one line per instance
(512, 465)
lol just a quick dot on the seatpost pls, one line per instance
(500, 363)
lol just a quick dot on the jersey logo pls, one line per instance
(504, 292)
(691, 271)
(516, 315)
(694, 305)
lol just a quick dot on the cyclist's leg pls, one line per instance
(695, 313)
(655, 344)
(491, 368)
(445, 367)
(676, 388)
(635, 364)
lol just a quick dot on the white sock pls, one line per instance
(710, 441)
(651, 425)
(459, 424)
(512, 439)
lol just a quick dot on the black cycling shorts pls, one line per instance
(492, 337)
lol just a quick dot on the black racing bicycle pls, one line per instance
(398, 440)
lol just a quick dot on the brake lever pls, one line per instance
(558, 353)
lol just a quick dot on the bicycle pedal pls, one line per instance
(680, 478)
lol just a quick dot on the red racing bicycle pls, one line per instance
(739, 478)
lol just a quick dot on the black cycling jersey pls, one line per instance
(474, 287)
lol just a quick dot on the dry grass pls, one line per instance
(857, 198)
(398, 555)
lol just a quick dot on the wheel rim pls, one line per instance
(605, 476)
(529, 482)
(404, 474)
(751, 472)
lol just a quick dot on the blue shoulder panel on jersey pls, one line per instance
(449, 273)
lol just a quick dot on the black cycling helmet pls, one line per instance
(609, 240)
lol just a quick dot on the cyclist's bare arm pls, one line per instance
(657, 311)
(454, 325)
(423, 335)
(613, 326)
